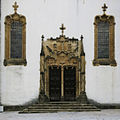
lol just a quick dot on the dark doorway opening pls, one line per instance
(69, 83)
(55, 83)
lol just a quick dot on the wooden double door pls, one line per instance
(69, 83)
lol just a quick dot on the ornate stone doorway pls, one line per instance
(62, 76)
(62, 69)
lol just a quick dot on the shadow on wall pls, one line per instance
(21, 107)
(104, 106)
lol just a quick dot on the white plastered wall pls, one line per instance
(0, 52)
(21, 84)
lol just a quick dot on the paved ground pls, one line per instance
(102, 115)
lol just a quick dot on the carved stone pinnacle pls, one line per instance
(42, 37)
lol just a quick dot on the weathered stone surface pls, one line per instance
(60, 107)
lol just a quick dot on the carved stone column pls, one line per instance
(42, 80)
(62, 83)
(42, 96)
(82, 75)
(79, 78)
(82, 97)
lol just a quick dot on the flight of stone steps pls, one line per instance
(59, 107)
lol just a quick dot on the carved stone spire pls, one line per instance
(82, 48)
(104, 8)
(15, 6)
(42, 50)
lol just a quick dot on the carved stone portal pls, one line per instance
(62, 69)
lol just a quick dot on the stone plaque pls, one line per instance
(16, 40)
(103, 39)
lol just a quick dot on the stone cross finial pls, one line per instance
(104, 8)
(15, 6)
(62, 28)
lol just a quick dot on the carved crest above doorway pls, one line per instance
(62, 69)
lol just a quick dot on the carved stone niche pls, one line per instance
(62, 69)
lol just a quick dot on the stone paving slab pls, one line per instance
(110, 114)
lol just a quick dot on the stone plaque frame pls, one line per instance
(8, 21)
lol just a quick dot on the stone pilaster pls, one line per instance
(82, 98)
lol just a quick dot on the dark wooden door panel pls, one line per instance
(55, 83)
(69, 83)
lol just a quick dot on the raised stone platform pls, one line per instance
(59, 107)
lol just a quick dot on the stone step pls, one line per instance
(64, 107)
(59, 107)
(62, 104)
(30, 108)
(57, 110)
